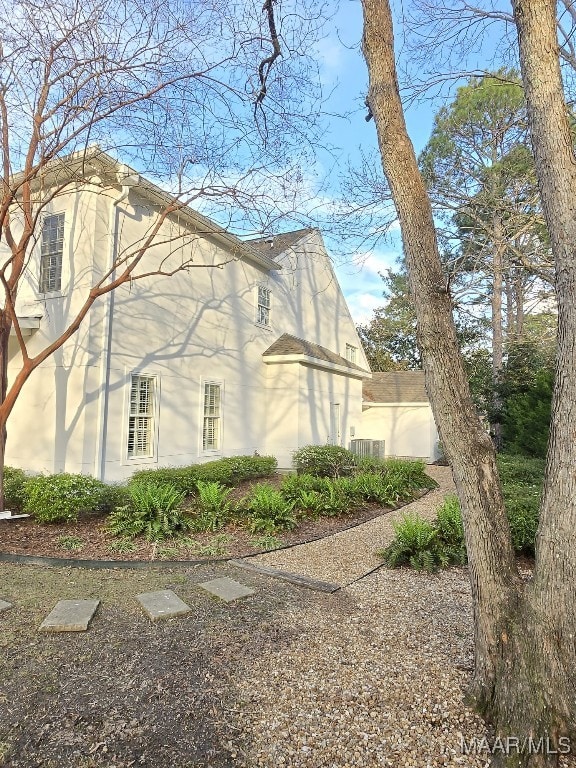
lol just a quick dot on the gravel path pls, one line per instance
(349, 555)
(377, 678)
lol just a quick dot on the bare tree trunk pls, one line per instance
(497, 328)
(517, 666)
(4, 341)
(553, 591)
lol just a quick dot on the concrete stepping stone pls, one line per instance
(227, 589)
(70, 616)
(4, 605)
(162, 605)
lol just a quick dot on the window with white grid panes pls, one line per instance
(263, 310)
(212, 417)
(351, 353)
(141, 419)
(51, 253)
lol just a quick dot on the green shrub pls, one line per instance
(375, 487)
(293, 485)
(520, 469)
(407, 476)
(268, 510)
(323, 460)
(451, 530)
(62, 497)
(428, 545)
(522, 480)
(153, 511)
(181, 478)
(212, 506)
(522, 508)
(236, 469)
(415, 543)
(113, 496)
(14, 488)
(336, 497)
(363, 464)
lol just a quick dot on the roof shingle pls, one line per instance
(273, 245)
(395, 387)
(291, 345)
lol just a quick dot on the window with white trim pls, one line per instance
(51, 253)
(263, 308)
(141, 418)
(351, 353)
(212, 420)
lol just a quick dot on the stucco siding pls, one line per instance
(183, 331)
(408, 430)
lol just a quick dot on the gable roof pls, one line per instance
(273, 245)
(395, 387)
(293, 349)
(79, 166)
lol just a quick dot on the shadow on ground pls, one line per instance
(129, 692)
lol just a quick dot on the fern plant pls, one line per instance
(451, 531)
(153, 512)
(413, 537)
(212, 506)
(268, 510)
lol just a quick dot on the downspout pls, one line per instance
(127, 182)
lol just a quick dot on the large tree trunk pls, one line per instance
(553, 592)
(513, 682)
(497, 328)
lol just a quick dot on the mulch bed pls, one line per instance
(27, 537)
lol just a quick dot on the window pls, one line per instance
(211, 428)
(263, 310)
(141, 419)
(351, 353)
(51, 251)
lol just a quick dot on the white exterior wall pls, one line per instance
(407, 429)
(184, 330)
(301, 408)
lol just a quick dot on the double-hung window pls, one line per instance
(141, 418)
(351, 353)
(51, 253)
(212, 419)
(263, 308)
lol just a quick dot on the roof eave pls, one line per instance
(97, 160)
(315, 362)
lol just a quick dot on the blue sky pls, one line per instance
(344, 76)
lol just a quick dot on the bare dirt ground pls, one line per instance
(88, 539)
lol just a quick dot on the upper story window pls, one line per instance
(351, 353)
(51, 253)
(263, 309)
(141, 418)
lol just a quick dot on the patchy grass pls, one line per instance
(118, 694)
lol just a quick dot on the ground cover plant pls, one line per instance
(426, 545)
(201, 510)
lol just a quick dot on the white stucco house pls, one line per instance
(396, 409)
(258, 354)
